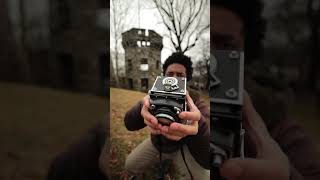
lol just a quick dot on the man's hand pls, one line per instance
(176, 131)
(270, 163)
(149, 119)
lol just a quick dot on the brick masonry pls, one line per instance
(141, 47)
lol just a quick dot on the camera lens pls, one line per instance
(165, 115)
(164, 121)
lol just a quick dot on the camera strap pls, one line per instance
(160, 175)
(161, 172)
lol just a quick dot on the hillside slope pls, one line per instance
(38, 123)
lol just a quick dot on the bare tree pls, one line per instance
(24, 49)
(298, 22)
(201, 74)
(313, 14)
(202, 65)
(118, 13)
(184, 21)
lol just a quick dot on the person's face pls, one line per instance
(226, 29)
(176, 70)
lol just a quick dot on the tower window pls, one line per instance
(144, 61)
(144, 83)
(129, 65)
(144, 66)
(103, 4)
(158, 64)
(63, 12)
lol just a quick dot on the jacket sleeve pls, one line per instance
(199, 143)
(302, 152)
(204, 122)
(133, 119)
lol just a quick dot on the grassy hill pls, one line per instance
(37, 124)
(122, 140)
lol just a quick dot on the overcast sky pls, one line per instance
(150, 19)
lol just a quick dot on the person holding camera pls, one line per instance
(187, 145)
(275, 147)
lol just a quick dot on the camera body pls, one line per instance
(226, 90)
(168, 99)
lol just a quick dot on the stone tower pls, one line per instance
(65, 45)
(79, 45)
(142, 57)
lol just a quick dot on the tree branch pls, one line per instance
(183, 21)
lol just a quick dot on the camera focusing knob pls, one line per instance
(234, 55)
(232, 93)
(218, 155)
(178, 110)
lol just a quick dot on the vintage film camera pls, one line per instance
(167, 99)
(226, 100)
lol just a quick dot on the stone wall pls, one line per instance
(142, 51)
(77, 57)
(11, 66)
(75, 39)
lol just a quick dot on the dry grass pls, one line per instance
(39, 123)
(122, 140)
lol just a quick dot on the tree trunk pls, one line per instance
(24, 47)
(314, 65)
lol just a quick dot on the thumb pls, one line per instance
(255, 127)
(252, 120)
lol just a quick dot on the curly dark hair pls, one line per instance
(250, 11)
(179, 58)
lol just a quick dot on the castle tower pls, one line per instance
(142, 57)
(78, 45)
